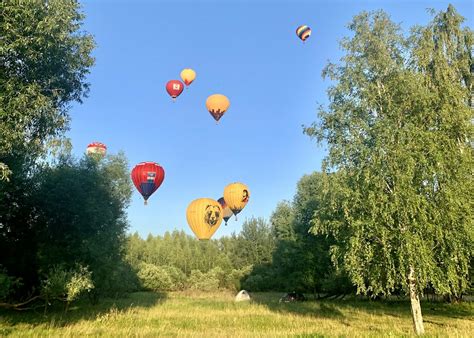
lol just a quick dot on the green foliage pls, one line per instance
(209, 265)
(154, 278)
(8, 284)
(45, 58)
(4, 172)
(79, 282)
(255, 243)
(233, 280)
(178, 278)
(300, 260)
(121, 279)
(75, 214)
(66, 285)
(75, 225)
(398, 130)
(161, 278)
(208, 281)
(262, 278)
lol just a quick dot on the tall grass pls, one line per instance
(216, 315)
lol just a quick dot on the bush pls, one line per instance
(121, 280)
(203, 281)
(178, 278)
(337, 283)
(78, 281)
(262, 278)
(66, 285)
(154, 278)
(7, 285)
(254, 283)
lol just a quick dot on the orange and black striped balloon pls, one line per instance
(303, 32)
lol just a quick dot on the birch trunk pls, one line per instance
(415, 304)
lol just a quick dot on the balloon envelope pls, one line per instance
(303, 32)
(204, 216)
(227, 213)
(96, 148)
(188, 75)
(147, 178)
(236, 196)
(217, 105)
(174, 88)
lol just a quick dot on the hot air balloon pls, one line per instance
(217, 105)
(188, 75)
(204, 216)
(96, 148)
(174, 88)
(303, 32)
(236, 196)
(225, 209)
(147, 177)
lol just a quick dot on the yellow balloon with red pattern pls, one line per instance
(188, 75)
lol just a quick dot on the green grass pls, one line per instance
(216, 315)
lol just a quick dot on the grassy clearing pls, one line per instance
(216, 315)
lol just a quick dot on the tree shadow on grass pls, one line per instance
(402, 308)
(81, 310)
(316, 309)
(393, 308)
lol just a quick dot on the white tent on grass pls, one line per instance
(242, 296)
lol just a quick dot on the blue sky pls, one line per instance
(246, 50)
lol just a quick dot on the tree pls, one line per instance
(45, 58)
(255, 242)
(80, 216)
(398, 130)
(301, 259)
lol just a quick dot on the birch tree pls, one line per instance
(398, 130)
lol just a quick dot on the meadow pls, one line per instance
(197, 314)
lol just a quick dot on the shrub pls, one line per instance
(66, 285)
(7, 285)
(203, 281)
(178, 278)
(154, 278)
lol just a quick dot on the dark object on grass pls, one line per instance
(292, 297)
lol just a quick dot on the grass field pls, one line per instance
(216, 315)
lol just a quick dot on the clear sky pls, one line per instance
(246, 50)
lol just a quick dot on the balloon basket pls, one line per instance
(145, 202)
